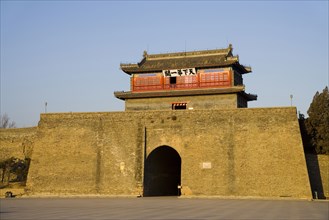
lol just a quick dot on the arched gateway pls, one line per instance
(162, 174)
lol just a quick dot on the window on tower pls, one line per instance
(173, 80)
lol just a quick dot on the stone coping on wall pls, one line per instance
(105, 113)
(19, 130)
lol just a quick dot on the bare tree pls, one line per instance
(5, 122)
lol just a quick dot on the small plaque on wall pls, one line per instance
(206, 165)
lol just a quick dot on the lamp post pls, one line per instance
(291, 96)
(46, 107)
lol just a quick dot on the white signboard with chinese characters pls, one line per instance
(206, 165)
(179, 72)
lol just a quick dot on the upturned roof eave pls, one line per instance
(173, 93)
(249, 96)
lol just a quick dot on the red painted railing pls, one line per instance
(200, 80)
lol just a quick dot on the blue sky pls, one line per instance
(68, 53)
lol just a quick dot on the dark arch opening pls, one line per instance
(162, 174)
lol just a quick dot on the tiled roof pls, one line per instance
(194, 59)
(192, 92)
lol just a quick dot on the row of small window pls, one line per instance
(179, 106)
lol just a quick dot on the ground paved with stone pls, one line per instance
(160, 208)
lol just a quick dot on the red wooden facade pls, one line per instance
(213, 78)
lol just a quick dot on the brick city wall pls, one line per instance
(222, 101)
(247, 152)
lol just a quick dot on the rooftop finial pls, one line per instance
(145, 54)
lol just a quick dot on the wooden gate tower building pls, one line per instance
(210, 79)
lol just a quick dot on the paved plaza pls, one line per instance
(159, 208)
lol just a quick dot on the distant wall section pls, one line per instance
(17, 142)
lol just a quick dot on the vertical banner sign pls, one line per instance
(179, 72)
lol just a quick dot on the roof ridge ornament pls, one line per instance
(145, 54)
(230, 50)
